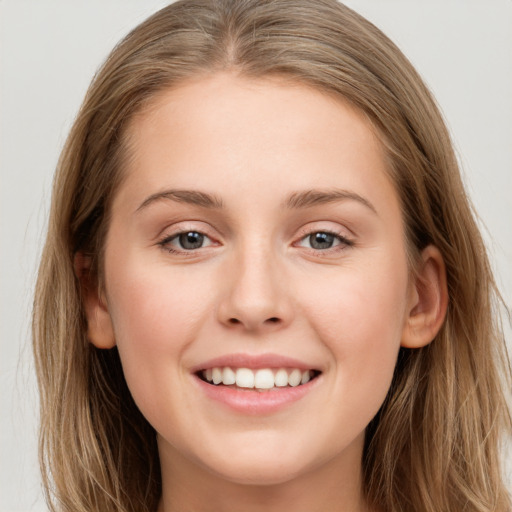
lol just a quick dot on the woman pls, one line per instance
(262, 275)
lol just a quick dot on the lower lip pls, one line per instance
(254, 402)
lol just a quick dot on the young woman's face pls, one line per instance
(256, 239)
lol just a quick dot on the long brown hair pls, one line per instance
(435, 443)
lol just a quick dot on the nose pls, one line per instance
(256, 293)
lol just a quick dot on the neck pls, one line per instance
(335, 485)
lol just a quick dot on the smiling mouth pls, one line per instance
(262, 379)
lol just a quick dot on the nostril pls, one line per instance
(272, 320)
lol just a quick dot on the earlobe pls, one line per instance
(428, 302)
(100, 331)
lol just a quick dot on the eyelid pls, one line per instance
(170, 233)
(184, 226)
(340, 238)
(346, 240)
(170, 239)
(325, 227)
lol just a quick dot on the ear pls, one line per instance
(100, 331)
(428, 300)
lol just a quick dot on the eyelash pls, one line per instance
(164, 243)
(343, 244)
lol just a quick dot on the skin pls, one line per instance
(257, 286)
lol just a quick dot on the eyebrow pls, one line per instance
(297, 200)
(193, 197)
(310, 198)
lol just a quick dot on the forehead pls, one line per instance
(227, 130)
(230, 101)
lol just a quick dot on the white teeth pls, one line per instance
(263, 379)
(294, 378)
(217, 375)
(281, 378)
(228, 376)
(244, 378)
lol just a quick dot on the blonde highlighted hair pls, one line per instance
(435, 443)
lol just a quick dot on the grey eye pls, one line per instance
(191, 240)
(321, 240)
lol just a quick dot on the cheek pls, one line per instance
(359, 307)
(359, 317)
(152, 305)
(156, 316)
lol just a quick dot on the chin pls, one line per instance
(273, 464)
(256, 474)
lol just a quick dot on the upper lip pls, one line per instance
(254, 362)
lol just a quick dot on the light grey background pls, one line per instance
(49, 50)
